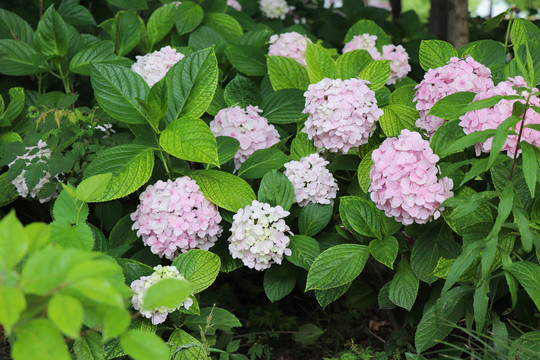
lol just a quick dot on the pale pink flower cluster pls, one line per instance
(311, 180)
(291, 44)
(141, 286)
(342, 113)
(404, 179)
(458, 75)
(491, 118)
(258, 235)
(275, 9)
(34, 154)
(153, 67)
(234, 4)
(336, 4)
(248, 127)
(107, 129)
(399, 59)
(175, 216)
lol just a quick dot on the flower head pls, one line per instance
(458, 75)
(311, 180)
(141, 286)
(258, 235)
(492, 117)
(234, 4)
(175, 216)
(399, 62)
(404, 179)
(342, 113)
(291, 44)
(363, 42)
(275, 9)
(248, 127)
(153, 67)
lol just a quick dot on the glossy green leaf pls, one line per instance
(319, 63)
(286, 73)
(313, 218)
(93, 187)
(13, 27)
(18, 59)
(404, 286)
(199, 267)
(126, 31)
(67, 314)
(279, 281)
(377, 73)
(249, 60)
(304, 250)
(351, 63)
(261, 162)
(384, 251)
(160, 23)
(276, 189)
(360, 216)
(528, 275)
(396, 118)
(101, 52)
(435, 53)
(185, 346)
(188, 16)
(301, 146)
(227, 147)
(242, 92)
(51, 36)
(284, 106)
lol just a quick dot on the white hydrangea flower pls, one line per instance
(258, 235)
(311, 180)
(141, 286)
(275, 9)
(153, 67)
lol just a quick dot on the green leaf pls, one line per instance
(319, 63)
(337, 266)
(385, 251)
(220, 319)
(188, 16)
(364, 168)
(284, 106)
(500, 136)
(279, 281)
(242, 92)
(351, 63)
(115, 322)
(93, 187)
(76, 14)
(461, 264)
(134, 270)
(98, 290)
(67, 314)
(39, 336)
(308, 334)
(227, 147)
(325, 297)
(89, 347)
(185, 347)
(276, 189)
(15, 107)
(314, 217)
(223, 189)
(377, 73)
(528, 237)
(396, 118)
(169, 293)
(435, 53)
(466, 141)
(130, 165)
(480, 305)
(404, 286)
(528, 275)
(451, 107)
(190, 139)
(144, 345)
(192, 83)
(70, 235)
(304, 250)
(51, 36)
(301, 146)
(101, 52)
(116, 88)
(286, 73)
(403, 95)
(199, 267)
(70, 209)
(487, 52)
(360, 216)
(18, 59)
(249, 60)
(13, 27)
(160, 23)
(126, 31)
(530, 165)
(447, 134)
(368, 27)
(14, 242)
(261, 162)
(226, 25)
(12, 304)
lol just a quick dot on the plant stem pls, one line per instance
(510, 21)
(519, 136)
(64, 77)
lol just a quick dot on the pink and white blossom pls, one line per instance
(275, 9)
(153, 67)
(234, 4)
(291, 45)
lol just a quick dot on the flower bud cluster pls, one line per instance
(153, 67)
(458, 75)
(311, 180)
(258, 235)
(275, 9)
(291, 44)
(492, 117)
(404, 180)
(342, 113)
(141, 286)
(248, 127)
(175, 216)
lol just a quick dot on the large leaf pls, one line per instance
(242, 92)
(247, 59)
(313, 218)
(190, 139)
(337, 266)
(360, 216)
(377, 73)
(286, 73)
(319, 63)
(192, 83)
(284, 106)
(126, 31)
(199, 267)
(226, 25)
(51, 36)
(528, 275)
(185, 346)
(404, 286)
(144, 345)
(116, 89)
(169, 293)
(435, 53)
(397, 118)
(160, 22)
(220, 319)
(304, 250)
(18, 58)
(12, 304)
(130, 165)
(275, 189)
(261, 162)
(13, 27)
(223, 189)
(67, 314)
(279, 281)
(14, 242)
(101, 52)
(39, 336)
(384, 251)
(351, 63)
(187, 17)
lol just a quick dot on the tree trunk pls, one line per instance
(396, 9)
(438, 19)
(458, 27)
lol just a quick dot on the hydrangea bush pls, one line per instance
(246, 147)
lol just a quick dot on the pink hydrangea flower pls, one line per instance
(234, 4)
(342, 113)
(458, 75)
(248, 127)
(491, 118)
(404, 179)
(141, 286)
(363, 42)
(175, 216)
(258, 235)
(275, 9)
(311, 180)
(34, 154)
(291, 44)
(153, 67)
